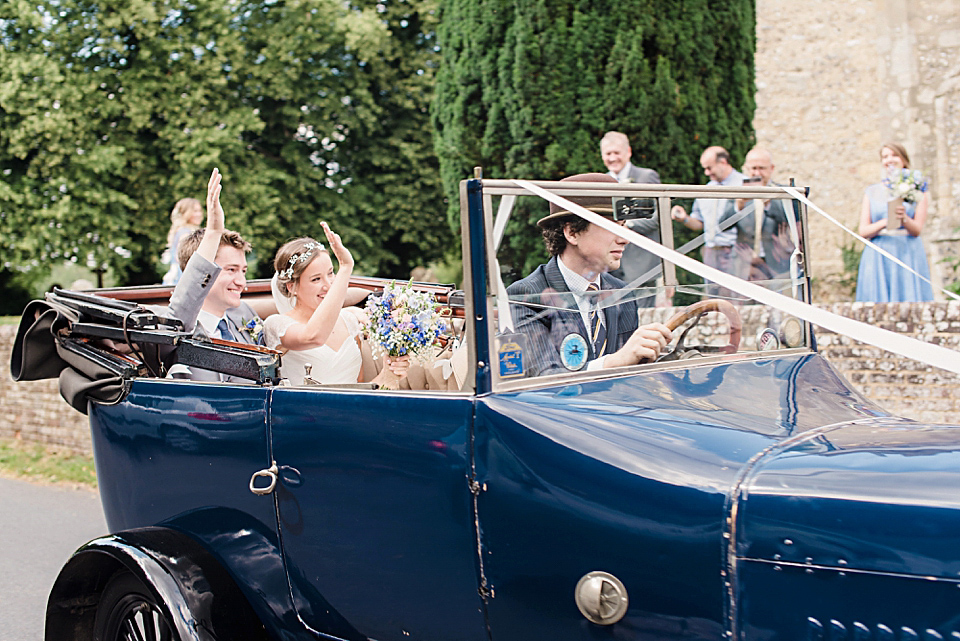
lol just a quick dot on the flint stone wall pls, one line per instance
(835, 80)
(34, 411)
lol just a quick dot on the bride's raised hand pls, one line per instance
(344, 257)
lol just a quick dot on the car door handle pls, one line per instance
(270, 473)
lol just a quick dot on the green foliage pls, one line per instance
(528, 88)
(111, 110)
(35, 462)
(850, 256)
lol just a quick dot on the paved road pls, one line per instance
(40, 526)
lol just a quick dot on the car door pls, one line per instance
(375, 512)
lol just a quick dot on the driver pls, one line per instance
(588, 335)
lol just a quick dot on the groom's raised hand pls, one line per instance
(215, 219)
(214, 210)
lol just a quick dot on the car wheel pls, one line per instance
(129, 612)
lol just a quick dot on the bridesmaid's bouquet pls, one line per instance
(402, 321)
(906, 184)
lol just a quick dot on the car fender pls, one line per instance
(196, 593)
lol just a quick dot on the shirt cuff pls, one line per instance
(596, 364)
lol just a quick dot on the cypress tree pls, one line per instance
(527, 88)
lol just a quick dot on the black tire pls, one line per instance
(129, 612)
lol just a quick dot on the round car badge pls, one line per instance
(573, 352)
(767, 340)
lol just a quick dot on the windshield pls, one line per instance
(572, 294)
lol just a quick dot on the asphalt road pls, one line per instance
(40, 527)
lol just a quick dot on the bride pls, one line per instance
(313, 326)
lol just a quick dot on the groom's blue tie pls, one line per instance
(225, 332)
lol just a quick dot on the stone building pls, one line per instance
(837, 79)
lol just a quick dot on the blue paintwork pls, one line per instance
(477, 262)
(165, 457)
(859, 525)
(379, 521)
(628, 476)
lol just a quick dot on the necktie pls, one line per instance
(225, 332)
(598, 332)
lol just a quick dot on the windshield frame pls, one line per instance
(493, 227)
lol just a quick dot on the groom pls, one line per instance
(207, 297)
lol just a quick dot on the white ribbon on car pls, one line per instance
(933, 355)
(806, 201)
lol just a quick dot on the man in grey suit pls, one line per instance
(566, 325)
(616, 153)
(220, 282)
(207, 297)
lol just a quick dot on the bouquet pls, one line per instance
(906, 184)
(402, 321)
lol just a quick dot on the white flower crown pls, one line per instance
(303, 257)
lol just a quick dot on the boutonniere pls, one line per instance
(254, 328)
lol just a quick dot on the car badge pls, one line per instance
(573, 352)
(510, 355)
(767, 340)
(791, 332)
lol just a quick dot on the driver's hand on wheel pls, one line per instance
(646, 343)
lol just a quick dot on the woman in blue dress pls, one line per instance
(880, 279)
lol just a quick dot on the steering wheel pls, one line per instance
(696, 311)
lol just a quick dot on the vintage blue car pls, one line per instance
(736, 488)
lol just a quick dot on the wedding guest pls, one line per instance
(185, 218)
(764, 245)
(616, 155)
(880, 279)
(709, 214)
(313, 327)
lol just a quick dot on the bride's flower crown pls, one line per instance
(302, 257)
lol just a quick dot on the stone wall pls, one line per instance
(837, 79)
(34, 411)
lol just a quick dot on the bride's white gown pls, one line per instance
(329, 366)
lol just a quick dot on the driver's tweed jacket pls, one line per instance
(545, 328)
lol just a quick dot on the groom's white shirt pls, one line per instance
(209, 323)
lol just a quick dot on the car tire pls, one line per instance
(129, 612)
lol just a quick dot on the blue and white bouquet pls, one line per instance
(906, 184)
(402, 321)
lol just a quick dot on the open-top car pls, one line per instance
(735, 487)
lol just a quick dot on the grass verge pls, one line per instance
(35, 462)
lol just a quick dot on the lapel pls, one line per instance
(235, 318)
(555, 281)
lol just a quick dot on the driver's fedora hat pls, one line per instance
(602, 205)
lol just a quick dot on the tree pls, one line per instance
(112, 110)
(527, 88)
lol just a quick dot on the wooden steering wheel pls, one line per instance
(693, 311)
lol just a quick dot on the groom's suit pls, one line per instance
(186, 303)
(545, 329)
